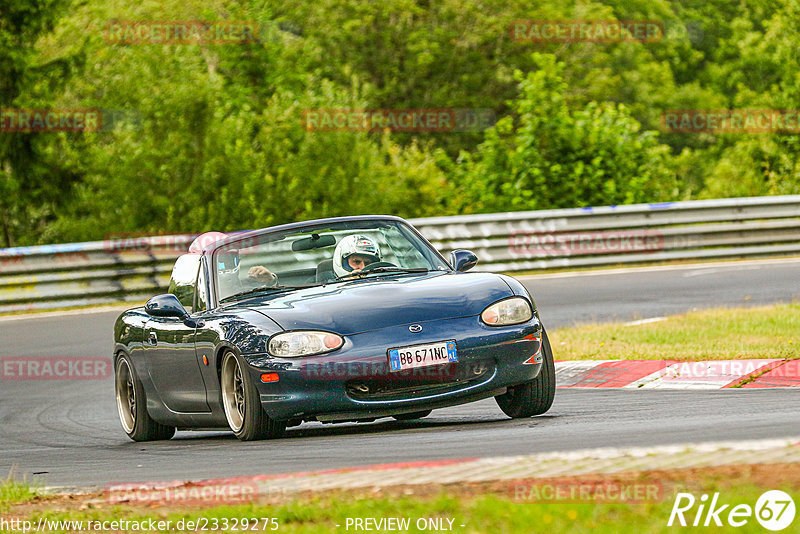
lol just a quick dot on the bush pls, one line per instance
(548, 156)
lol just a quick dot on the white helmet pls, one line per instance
(353, 244)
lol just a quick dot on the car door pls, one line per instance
(172, 362)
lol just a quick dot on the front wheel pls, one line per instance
(534, 397)
(132, 405)
(242, 404)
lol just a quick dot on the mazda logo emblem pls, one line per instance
(415, 328)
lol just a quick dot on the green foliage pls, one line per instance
(554, 157)
(13, 491)
(210, 136)
(30, 184)
(244, 168)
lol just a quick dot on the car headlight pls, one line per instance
(303, 343)
(507, 312)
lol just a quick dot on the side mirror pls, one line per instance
(463, 260)
(166, 305)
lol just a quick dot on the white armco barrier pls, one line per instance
(125, 268)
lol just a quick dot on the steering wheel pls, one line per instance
(375, 265)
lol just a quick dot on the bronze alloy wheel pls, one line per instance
(126, 395)
(233, 399)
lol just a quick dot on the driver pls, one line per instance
(353, 253)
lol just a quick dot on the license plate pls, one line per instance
(422, 355)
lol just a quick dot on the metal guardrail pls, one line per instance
(133, 268)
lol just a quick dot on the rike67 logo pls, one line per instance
(774, 510)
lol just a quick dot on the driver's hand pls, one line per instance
(262, 274)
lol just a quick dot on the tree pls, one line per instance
(548, 156)
(29, 183)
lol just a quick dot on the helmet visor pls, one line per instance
(357, 261)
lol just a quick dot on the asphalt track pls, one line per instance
(67, 434)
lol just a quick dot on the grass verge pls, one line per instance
(14, 492)
(492, 507)
(715, 334)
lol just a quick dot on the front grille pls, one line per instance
(420, 381)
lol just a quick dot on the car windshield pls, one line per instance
(281, 261)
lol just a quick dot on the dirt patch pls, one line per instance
(770, 476)
(696, 478)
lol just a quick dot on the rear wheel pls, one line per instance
(132, 405)
(240, 399)
(413, 415)
(534, 397)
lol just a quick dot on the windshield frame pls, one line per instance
(213, 249)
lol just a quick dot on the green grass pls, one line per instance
(13, 492)
(496, 513)
(716, 334)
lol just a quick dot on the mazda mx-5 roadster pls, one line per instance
(334, 320)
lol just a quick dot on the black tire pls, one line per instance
(413, 415)
(242, 404)
(132, 405)
(534, 397)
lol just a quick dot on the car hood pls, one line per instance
(358, 306)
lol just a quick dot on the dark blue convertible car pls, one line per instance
(345, 319)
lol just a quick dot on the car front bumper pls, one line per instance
(354, 382)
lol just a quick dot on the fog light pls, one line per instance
(537, 356)
(269, 377)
